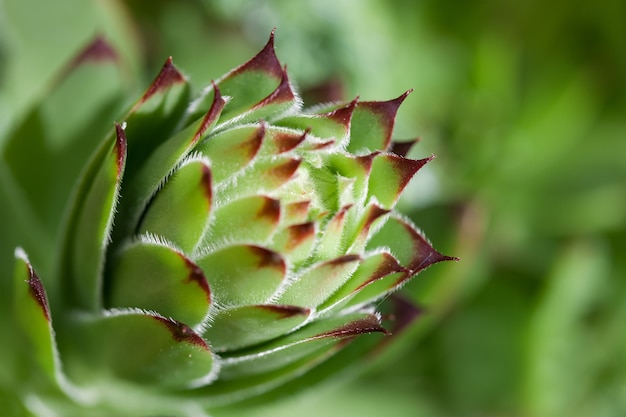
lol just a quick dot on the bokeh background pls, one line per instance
(523, 102)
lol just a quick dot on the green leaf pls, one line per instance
(406, 244)
(390, 174)
(372, 125)
(377, 276)
(251, 220)
(239, 327)
(232, 150)
(264, 176)
(295, 242)
(285, 357)
(92, 219)
(143, 182)
(243, 274)
(144, 348)
(153, 276)
(33, 313)
(59, 135)
(331, 125)
(313, 286)
(187, 196)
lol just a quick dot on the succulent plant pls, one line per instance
(214, 249)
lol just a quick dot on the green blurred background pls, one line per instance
(524, 104)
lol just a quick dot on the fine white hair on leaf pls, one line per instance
(152, 239)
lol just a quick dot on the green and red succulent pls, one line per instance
(216, 248)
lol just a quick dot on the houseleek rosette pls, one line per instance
(219, 247)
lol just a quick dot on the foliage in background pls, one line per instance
(523, 103)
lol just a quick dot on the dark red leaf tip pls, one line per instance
(343, 115)
(345, 259)
(207, 183)
(270, 210)
(403, 148)
(366, 161)
(298, 233)
(268, 258)
(323, 145)
(252, 146)
(373, 212)
(285, 311)
(407, 168)
(120, 148)
(297, 209)
(282, 94)
(389, 266)
(368, 324)
(196, 276)
(286, 170)
(404, 312)
(98, 51)
(265, 61)
(167, 77)
(424, 254)
(286, 141)
(38, 292)
(182, 333)
(212, 115)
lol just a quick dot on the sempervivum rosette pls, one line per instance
(219, 247)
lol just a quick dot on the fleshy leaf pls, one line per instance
(402, 148)
(334, 124)
(315, 285)
(144, 348)
(406, 244)
(61, 131)
(232, 150)
(250, 219)
(243, 274)
(155, 277)
(256, 82)
(239, 327)
(372, 269)
(390, 174)
(331, 242)
(314, 337)
(155, 115)
(33, 313)
(372, 125)
(295, 242)
(90, 233)
(186, 197)
(263, 177)
(144, 181)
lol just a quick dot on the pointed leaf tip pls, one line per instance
(344, 260)
(270, 209)
(403, 148)
(269, 258)
(212, 115)
(265, 61)
(182, 333)
(284, 311)
(343, 115)
(287, 141)
(282, 94)
(120, 148)
(285, 171)
(196, 275)
(98, 51)
(368, 324)
(38, 292)
(167, 77)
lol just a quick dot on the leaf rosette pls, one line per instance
(218, 247)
